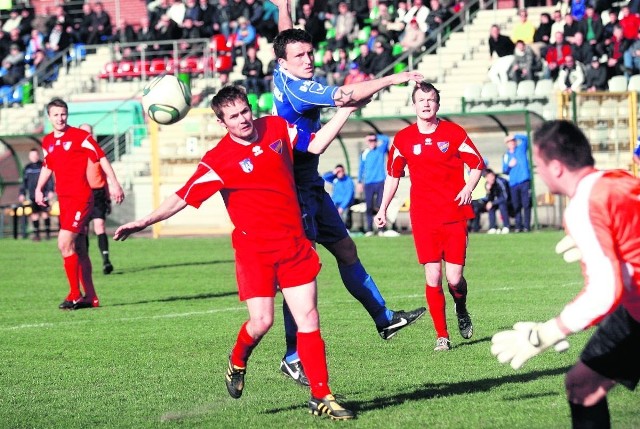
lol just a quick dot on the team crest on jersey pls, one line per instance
(443, 146)
(257, 150)
(417, 149)
(66, 145)
(276, 146)
(246, 165)
(428, 141)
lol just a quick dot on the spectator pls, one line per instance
(222, 20)
(15, 39)
(591, 26)
(342, 191)
(35, 43)
(238, 8)
(193, 12)
(145, 37)
(123, 32)
(365, 59)
(515, 163)
(418, 11)
(312, 24)
(571, 27)
(15, 56)
(571, 76)
(253, 72)
(354, 75)
(81, 24)
(555, 57)
(100, 28)
(385, 23)
(501, 51)
(631, 58)
(4, 44)
(524, 60)
(13, 21)
(413, 37)
(580, 50)
(189, 31)
(339, 69)
(57, 41)
(542, 36)
(371, 175)
(498, 199)
(177, 11)
(39, 63)
(438, 15)
(157, 9)
(345, 26)
(381, 60)
(636, 153)
(607, 29)
(205, 18)
(614, 48)
(26, 22)
(557, 26)
(243, 36)
(523, 30)
(595, 76)
(578, 9)
(165, 29)
(630, 23)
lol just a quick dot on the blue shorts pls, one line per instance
(321, 220)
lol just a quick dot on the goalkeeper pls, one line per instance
(602, 221)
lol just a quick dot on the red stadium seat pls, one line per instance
(191, 65)
(157, 66)
(224, 63)
(219, 44)
(142, 68)
(127, 70)
(109, 70)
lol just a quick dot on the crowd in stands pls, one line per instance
(575, 47)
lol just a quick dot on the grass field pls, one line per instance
(154, 354)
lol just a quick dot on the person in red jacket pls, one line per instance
(555, 56)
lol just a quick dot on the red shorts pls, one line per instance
(74, 214)
(260, 273)
(446, 242)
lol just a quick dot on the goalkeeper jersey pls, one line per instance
(603, 218)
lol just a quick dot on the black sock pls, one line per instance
(36, 227)
(594, 417)
(47, 227)
(459, 294)
(103, 244)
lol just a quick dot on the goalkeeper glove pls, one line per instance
(567, 248)
(526, 340)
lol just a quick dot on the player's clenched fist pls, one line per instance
(526, 340)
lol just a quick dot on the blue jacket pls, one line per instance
(343, 190)
(372, 162)
(520, 172)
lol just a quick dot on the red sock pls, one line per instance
(72, 268)
(243, 347)
(314, 361)
(436, 303)
(87, 280)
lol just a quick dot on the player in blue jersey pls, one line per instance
(299, 100)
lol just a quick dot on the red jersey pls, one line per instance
(436, 167)
(67, 156)
(256, 184)
(603, 218)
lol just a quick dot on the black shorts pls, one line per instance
(614, 349)
(101, 204)
(37, 208)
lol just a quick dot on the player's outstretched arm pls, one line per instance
(353, 92)
(172, 205)
(526, 340)
(115, 190)
(390, 189)
(284, 14)
(330, 130)
(45, 174)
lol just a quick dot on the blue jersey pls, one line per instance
(636, 151)
(519, 173)
(299, 101)
(372, 162)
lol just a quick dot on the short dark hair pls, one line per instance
(57, 102)
(563, 141)
(227, 96)
(425, 87)
(286, 37)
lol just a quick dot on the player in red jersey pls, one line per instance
(252, 167)
(602, 221)
(436, 152)
(67, 150)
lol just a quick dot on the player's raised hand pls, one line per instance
(406, 76)
(568, 249)
(526, 340)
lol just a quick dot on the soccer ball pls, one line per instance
(166, 99)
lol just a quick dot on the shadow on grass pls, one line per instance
(180, 298)
(160, 267)
(430, 391)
